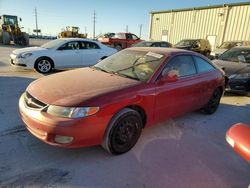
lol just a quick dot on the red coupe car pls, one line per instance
(238, 137)
(111, 102)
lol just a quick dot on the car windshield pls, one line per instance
(186, 43)
(119, 36)
(234, 54)
(138, 65)
(53, 44)
(10, 20)
(143, 44)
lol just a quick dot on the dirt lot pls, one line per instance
(189, 151)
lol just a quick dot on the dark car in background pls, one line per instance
(162, 44)
(236, 64)
(226, 46)
(197, 45)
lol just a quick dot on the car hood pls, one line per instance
(231, 67)
(70, 88)
(29, 49)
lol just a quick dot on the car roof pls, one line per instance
(154, 41)
(237, 41)
(165, 51)
(242, 47)
(77, 39)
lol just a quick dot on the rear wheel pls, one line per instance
(123, 132)
(43, 65)
(118, 47)
(207, 53)
(25, 39)
(213, 102)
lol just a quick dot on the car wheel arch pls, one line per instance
(103, 57)
(226, 81)
(107, 133)
(141, 111)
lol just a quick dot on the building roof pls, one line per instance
(202, 8)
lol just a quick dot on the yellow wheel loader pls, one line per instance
(72, 32)
(10, 31)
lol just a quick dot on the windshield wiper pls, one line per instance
(99, 68)
(127, 76)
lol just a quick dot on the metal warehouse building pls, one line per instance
(217, 23)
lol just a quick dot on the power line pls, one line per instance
(94, 24)
(36, 22)
(140, 30)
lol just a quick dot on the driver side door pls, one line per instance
(68, 55)
(174, 98)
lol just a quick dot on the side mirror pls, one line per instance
(20, 19)
(60, 48)
(241, 59)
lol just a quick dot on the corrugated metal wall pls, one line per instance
(224, 24)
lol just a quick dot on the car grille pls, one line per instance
(33, 102)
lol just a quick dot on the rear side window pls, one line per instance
(182, 65)
(89, 45)
(164, 44)
(203, 65)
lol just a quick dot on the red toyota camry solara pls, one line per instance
(111, 102)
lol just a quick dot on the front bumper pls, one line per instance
(239, 85)
(86, 131)
(21, 62)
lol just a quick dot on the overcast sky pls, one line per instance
(111, 15)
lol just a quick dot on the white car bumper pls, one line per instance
(23, 63)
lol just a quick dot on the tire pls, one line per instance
(208, 54)
(26, 39)
(118, 47)
(5, 37)
(43, 65)
(213, 102)
(123, 132)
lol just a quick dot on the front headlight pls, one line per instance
(72, 112)
(24, 55)
(232, 76)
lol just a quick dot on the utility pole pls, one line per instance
(127, 28)
(36, 22)
(94, 24)
(85, 29)
(140, 30)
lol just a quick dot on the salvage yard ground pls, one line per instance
(189, 151)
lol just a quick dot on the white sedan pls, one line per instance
(61, 54)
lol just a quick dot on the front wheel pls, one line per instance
(118, 47)
(123, 132)
(43, 65)
(213, 102)
(207, 53)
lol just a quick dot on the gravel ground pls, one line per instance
(189, 151)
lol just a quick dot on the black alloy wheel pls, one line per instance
(214, 102)
(123, 132)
